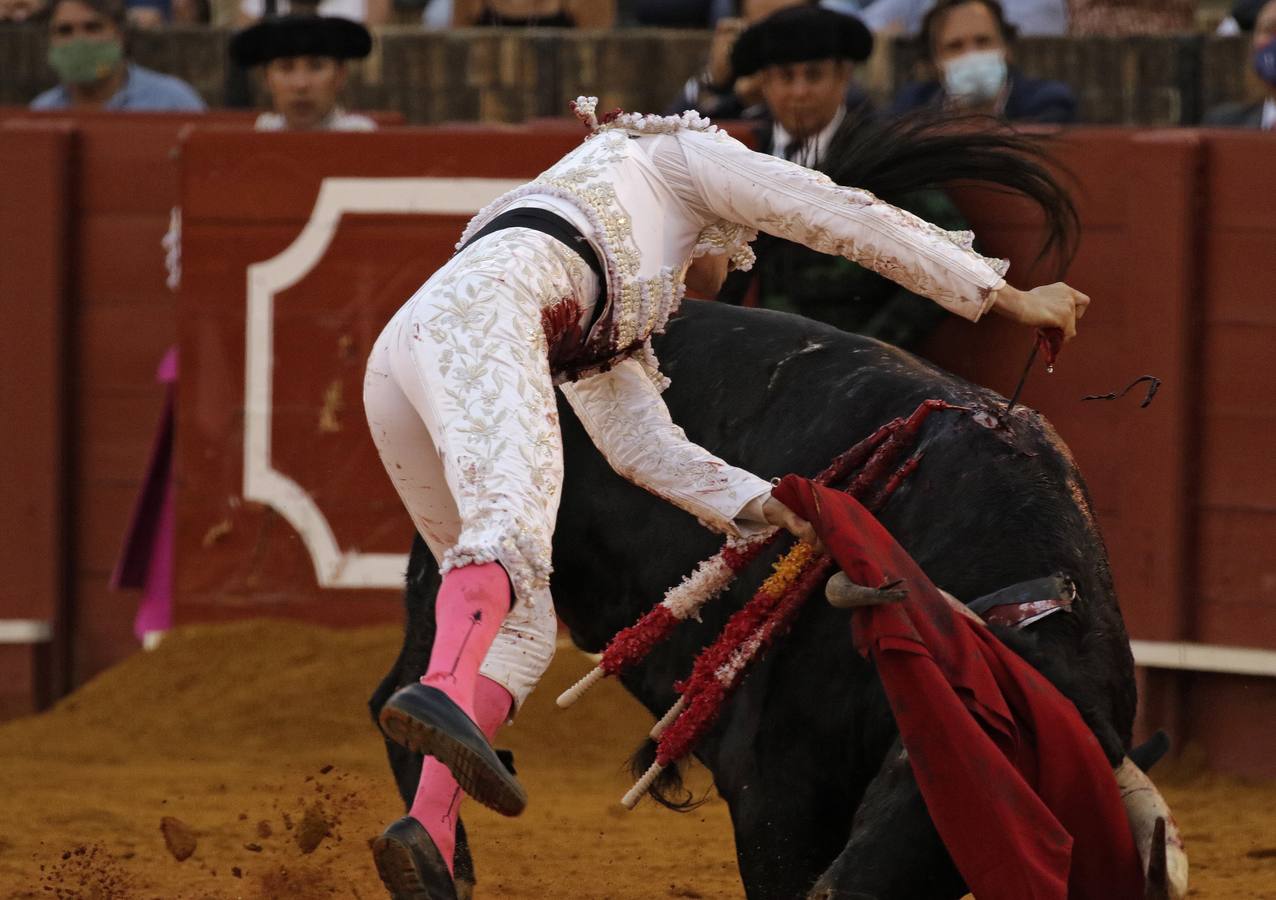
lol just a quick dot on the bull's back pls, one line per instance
(987, 507)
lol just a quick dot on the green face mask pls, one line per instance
(83, 62)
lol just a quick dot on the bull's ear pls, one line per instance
(846, 594)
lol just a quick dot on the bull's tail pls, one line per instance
(668, 789)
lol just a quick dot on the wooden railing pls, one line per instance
(501, 75)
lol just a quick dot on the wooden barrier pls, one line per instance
(34, 221)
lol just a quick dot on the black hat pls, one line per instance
(300, 36)
(1245, 12)
(799, 34)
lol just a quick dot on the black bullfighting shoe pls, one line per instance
(410, 866)
(425, 720)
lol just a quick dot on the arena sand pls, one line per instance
(254, 741)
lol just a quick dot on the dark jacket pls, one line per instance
(831, 289)
(1235, 115)
(796, 279)
(1030, 99)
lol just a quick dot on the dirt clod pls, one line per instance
(178, 837)
(315, 826)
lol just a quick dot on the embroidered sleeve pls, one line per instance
(627, 420)
(796, 203)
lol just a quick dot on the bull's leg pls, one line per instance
(787, 827)
(894, 852)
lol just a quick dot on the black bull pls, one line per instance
(806, 753)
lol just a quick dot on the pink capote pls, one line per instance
(146, 560)
(1017, 785)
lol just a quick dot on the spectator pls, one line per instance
(20, 10)
(1122, 18)
(1259, 113)
(1029, 17)
(717, 92)
(534, 13)
(967, 44)
(304, 60)
(86, 50)
(805, 60)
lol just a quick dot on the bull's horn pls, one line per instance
(846, 594)
(1157, 883)
(1155, 834)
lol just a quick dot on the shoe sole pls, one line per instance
(399, 873)
(471, 772)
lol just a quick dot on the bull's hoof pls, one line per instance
(425, 720)
(410, 866)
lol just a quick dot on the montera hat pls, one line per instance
(1245, 12)
(800, 34)
(300, 36)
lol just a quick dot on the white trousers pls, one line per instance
(460, 401)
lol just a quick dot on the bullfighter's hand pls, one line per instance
(1049, 306)
(776, 513)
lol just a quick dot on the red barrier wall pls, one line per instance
(34, 220)
(85, 317)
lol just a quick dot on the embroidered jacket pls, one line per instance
(651, 193)
(654, 192)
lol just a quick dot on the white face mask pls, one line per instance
(976, 77)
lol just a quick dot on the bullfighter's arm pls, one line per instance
(627, 419)
(729, 181)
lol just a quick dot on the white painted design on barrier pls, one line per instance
(334, 566)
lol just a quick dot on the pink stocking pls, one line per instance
(438, 798)
(471, 605)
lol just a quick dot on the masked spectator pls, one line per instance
(968, 46)
(1258, 113)
(86, 50)
(304, 63)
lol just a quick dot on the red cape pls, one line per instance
(1016, 784)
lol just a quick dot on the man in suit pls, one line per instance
(1259, 114)
(967, 44)
(803, 60)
